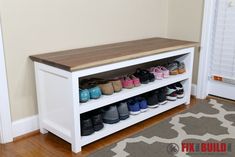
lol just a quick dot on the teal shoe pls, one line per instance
(84, 95)
(95, 92)
(94, 89)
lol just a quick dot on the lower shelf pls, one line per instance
(112, 128)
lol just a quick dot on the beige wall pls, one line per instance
(184, 22)
(32, 27)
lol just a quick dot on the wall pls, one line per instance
(32, 27)
(184, 22)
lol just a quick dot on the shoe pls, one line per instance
(142, 103)
(136, 80)
(133, 107)
(157, 72)
(179, 90)
(94, 90)
(161, 93)
(105, 86)
(117, 84)
(173, 68)
(84, 95)
(97, 121)
(165, 71)
(182, 68)
(110, 114)
(123, 110)
(171, 93)
(152, 100)
(176, 67)
(86, 125)
(127, 82)
(144, 76)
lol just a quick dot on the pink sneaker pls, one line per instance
(136, 80)
(157, 72)
(127, 82)
(165, 71)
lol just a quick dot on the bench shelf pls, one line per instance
(58, 87)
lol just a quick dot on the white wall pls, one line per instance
(5, 117)
(185, 23)
(32, 27)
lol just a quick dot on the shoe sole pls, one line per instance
(163, 103)
(145, 82)
(98, 127)
(87, 132)
(129, 87)
(171, 98)
(153, 106)
(144, 110)
(174, 72)
(111, 121)
(181, 71)
(180, 96)
(134, 113)
(124, 117)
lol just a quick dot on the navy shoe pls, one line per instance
(133, 107)
(142, 103)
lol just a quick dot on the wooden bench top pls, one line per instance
(76, 59)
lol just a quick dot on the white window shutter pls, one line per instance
(223, 41)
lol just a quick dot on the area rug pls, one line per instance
(205, 130)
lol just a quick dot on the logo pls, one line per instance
(172, 148)
(206, 147)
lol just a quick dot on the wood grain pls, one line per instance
(49, 145)
(76, 59)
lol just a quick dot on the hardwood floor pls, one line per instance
(38, 145)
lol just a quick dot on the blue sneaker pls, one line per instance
(133, 107)
(142, 103)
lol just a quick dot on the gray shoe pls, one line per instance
(110, 114)
(123, 110)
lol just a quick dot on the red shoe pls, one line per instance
(127, 82)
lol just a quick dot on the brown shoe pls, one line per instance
(117, 84)
(105, 86)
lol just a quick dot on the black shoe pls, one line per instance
(161, 93)
(86, 125)
(144, 76)
(97, 120)
(179, 90)
(152, 100)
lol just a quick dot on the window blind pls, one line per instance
(223, 42)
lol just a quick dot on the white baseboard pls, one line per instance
(30, 124)
(24, 126)
(194, 90)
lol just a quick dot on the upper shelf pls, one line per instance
(128, 93)
(76, 59)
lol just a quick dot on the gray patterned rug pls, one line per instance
(207, 129)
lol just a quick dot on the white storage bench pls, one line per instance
(57, 76)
